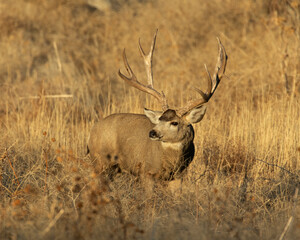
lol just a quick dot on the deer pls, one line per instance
(157, 143)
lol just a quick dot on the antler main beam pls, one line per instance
(132, 80)
(212, 82)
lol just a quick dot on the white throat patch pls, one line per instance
(176, 146)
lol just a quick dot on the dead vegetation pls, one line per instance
(243, 181)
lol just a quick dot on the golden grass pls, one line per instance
(246, 169)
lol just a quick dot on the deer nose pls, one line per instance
(153, 134)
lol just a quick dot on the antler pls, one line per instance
(212, 82)
(132, 80)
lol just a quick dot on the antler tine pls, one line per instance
(132, 80)
(148, 59)
(131, 77)
(205, 96)
(220, 66)
(212, 82)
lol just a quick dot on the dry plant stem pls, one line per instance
(52, 223)
(234, 45)
(46, 170)
(275, 165)
(119, 208)
(13, 169)
(57, 57)
(75, 198)
(289, 222)
(10, 192)
(47, 96)
(3, 155)
(74, 205)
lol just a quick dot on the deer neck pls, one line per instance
(182, 145)
(176, 157)
(177, 146)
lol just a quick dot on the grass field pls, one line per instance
(58, 76)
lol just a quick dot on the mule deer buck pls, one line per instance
(157, 143)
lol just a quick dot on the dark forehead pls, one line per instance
(168, 115)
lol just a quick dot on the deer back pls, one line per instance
(122, 141)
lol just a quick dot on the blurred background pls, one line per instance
(61, 46)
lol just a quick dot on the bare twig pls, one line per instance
(46, 170)
(10, 192)
(275, 165)
(7, 149)
(201, 175)
(12, 167)
(57, 56)
(289, 222)
(3, 156)
(52, 223)
(47, 96)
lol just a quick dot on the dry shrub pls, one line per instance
(232, 159)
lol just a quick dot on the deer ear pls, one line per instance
(152, 115)
(196, 114)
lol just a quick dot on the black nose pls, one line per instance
(153, 134)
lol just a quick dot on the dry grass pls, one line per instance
(246, 170)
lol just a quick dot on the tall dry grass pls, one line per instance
(242, 183)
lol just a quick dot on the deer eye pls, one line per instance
(174, 123)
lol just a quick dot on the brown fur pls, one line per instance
(168, 115)
(123, 140)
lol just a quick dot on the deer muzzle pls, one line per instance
(154, 135)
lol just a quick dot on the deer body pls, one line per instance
(122, 142)
(158, 143)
